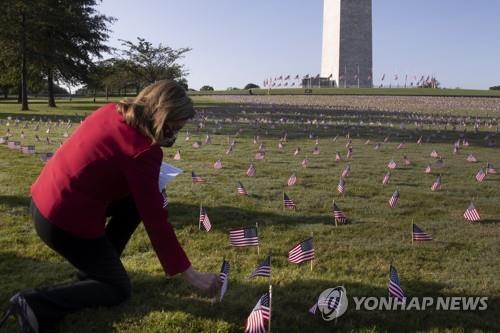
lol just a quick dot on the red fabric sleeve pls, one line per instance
(142, 175)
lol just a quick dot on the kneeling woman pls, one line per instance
(109, 167)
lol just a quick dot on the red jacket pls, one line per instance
(104, 160)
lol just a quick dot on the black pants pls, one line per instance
(105, 281)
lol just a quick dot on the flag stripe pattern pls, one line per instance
(258, 320)
(264, 269)
(244, 237)
(204, 220)
(393, 201)
(394, 286)
(419, 235)
(241, 189)
(304, 251)
(338, 215)
(287, 202)
(471, 214)
(223, 277)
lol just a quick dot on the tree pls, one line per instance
(148, 63)
(207, 88)
(251, 86)
(495, 88)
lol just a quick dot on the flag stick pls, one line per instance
(199, 221)
(270, 307)
(312, 234)
(336, 225)
(257, 229)
(411, 231)
(283, 200)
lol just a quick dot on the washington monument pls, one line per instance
(347, 42)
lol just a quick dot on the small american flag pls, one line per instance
(419, 235)
(305, 163)
(241, 189)
(287, 202)
(393, 201)
(436, 186)
(196, 179)
(341, 186)
(251, 170)
(264, 269)
(218, 164)
(313, 309)
(280, 146)
(377, 146)
(471, 158)
(230, 149)
(224, 277)
(165, 198)
(434, 154)
(394, 285)
(338, 216)
(400, 146)
(244, 237)
(419, 141)
(471, 214)
(177, 156)
(391, 164)
(45, 157)
(428, 169)
(28, 149)
(349, 152)
(406, 160)
(296, 152)
(347, 171)
(315, 150)
(490, 169)
(302, 252)
(338, 158)
(260, 155)
(480, 175)
(387, 178)
(465, 143)
(258, 320)
(292, 180)
(204, 220)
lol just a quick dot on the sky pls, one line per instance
(236, 42)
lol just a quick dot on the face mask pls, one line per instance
(169, 139)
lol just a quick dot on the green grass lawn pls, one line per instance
(462, 260)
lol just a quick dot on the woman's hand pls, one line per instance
(208, 282)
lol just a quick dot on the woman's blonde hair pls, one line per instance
(157, 104)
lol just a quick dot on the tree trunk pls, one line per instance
(107, 94)
(94, 94)
(24, 71)
(50, 86)
(6, 93)
(19, 94)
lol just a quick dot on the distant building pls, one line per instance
(347, 43)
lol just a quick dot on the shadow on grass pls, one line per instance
(159, 295)
(15, 201)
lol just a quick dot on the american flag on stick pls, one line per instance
(292, 180)
(418, 234)
(480, 175)
(305, 162)
(434, 154)
(218, 164)
(436, 186)
(244, 237)
(177, 156)
(224, 277)
(471, 158)
(341, 186)
(471, 214)
(259, 319)
(428, 169)
(204, 220)
(387, 178)
(394, 285)
(287, 202)
(347, 171)
(296, 152)
(302, 252)
(251, 170)
(338, 216)
(195, 179)
(394, 200)
(391, 165)
(406, 160)
(490, 169)
(264, 269)
(241, 189)
(338, 158)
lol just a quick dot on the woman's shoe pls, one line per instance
(19, 308)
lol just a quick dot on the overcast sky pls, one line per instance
(235, 42)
